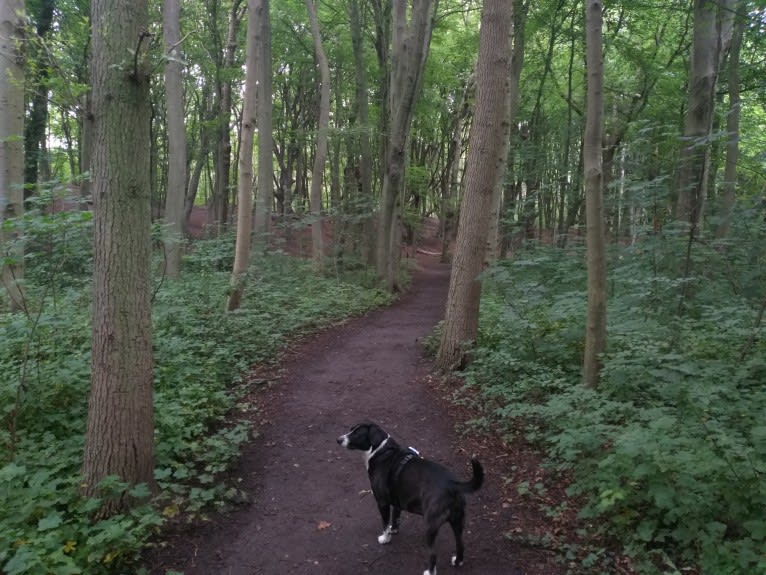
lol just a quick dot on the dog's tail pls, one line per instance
(476, 481)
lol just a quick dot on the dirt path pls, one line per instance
(312, 513)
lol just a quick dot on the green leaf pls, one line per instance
(50, 522)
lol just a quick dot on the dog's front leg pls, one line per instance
(385, 515)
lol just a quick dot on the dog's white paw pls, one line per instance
(429, 572)
(384, 537)
(455, 562)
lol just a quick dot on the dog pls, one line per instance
(402, 480)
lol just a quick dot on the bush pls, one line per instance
(669, 453)
(200, 351)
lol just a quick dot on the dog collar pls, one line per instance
(374, 452)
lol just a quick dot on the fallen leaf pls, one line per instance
(323, 525)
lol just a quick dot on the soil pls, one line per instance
(311, 512)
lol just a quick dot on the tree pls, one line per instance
(245, 182)
(11, 146)
(485, 166)
(317, 174)
(709, 43)
(174, 97)
(362, 118)
(732, 124)
(595, 332)
(220, 200)
(36, 124)
(265, 189)
(120, 432)
(409, 46)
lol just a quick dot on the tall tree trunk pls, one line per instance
(174, 94)
(520, 9)
(265, 189)
(410, 43)
(450, 201)
(707, 47)
(35, 128)
(729, 195)
(120, 433)
(595, 332)
(485, 166)
(494, 247)
(317, 174)
(220, 204)
(362, 115)
(245, 183)
(11, 147)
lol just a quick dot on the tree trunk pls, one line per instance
(362, 116)
(450, 208)
(317, 174)
(245, 183)
(174, 94)
(520, 8)
(11, 147)
(595, 333)
(120, 432)
(494, 248)
(695, 154)
(37, 122)
(220, 204)
(265, 188)
(410, 42)
(485, 166)
(729, 195)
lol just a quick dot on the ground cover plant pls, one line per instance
(669, 452)
(200, 354)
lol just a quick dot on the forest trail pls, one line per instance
(311, 510)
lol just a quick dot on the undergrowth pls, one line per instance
(200, 353)
(669, 452)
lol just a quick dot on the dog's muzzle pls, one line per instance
(343, 440)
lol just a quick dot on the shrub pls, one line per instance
(669, 452)
(200, 351)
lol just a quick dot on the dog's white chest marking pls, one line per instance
(370, 453)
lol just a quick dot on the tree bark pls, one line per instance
(595, 332)
(703, 75)
(265, 189)
(410, 43)
(174, 94)
(220, 204)
(729, 195)
(245, 182)
(362, 117)
(37, 122)
(511, 109)
(120, 432)
(485, 165)
(317, 174)
(11, 147)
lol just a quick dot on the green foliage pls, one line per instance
(200, 352)
(669, 453)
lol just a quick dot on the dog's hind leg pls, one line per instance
(430, 539)
(456, 522)
(395, 514)
(385, 515)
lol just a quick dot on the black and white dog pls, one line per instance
(401, 479)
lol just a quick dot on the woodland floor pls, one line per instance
(311, 512)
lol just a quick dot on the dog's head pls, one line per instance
(363, 437)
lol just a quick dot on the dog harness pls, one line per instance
(413, 453)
